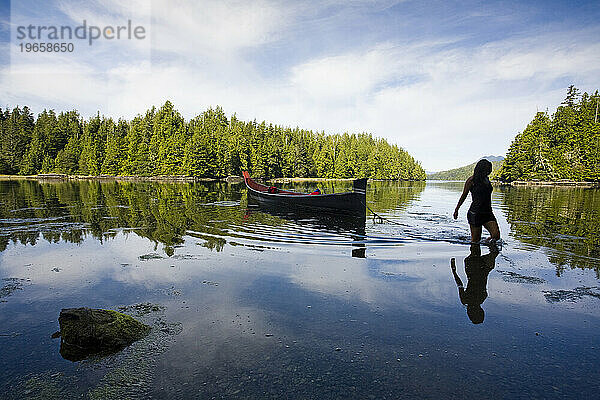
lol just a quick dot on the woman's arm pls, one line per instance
(463, 196)
(459, 283)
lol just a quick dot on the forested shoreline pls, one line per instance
(563, 146)
(161, 143)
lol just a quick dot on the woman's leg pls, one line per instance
(475, 233)
(492, 228)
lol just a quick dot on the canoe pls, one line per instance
(353, 202)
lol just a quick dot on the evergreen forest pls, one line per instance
(562, 146)
(161, 142)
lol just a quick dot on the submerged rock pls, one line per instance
(150, 256)
(85, 332)
(9, 288)
(142, 309)
(555, 296)
(509, 276)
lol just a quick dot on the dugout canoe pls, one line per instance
(353, 202)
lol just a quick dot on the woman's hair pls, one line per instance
(475, 313)
(482, 170)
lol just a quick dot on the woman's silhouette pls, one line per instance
(480, 213)
(477, 268)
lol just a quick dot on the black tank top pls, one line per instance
(481, 193)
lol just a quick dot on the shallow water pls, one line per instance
(255, 303)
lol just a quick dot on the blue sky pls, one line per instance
(448, 81)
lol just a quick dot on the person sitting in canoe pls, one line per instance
(480, 213)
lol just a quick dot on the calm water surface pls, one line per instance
(251, 303)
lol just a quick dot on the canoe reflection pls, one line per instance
(477, 268)
(351, 226)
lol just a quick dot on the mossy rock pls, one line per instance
(85, 332)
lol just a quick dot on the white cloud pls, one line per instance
(211, 29)
(342, 76)
(463, 102)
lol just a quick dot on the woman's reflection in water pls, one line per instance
(477, 268)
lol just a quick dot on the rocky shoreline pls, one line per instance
(158, 178)
(562, 182)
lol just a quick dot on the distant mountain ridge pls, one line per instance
(493, 158)
(463, 173)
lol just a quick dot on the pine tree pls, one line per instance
(69, 125)
(94, 137)
(238, 147)
(115, 152)
(199, 157)
(167, 144)
(138, 145)
(572, 96)
(17, 128)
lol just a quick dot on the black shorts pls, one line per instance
(480, 218)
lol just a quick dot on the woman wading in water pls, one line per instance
(480, 213)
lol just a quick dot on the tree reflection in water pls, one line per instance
(214, 212)
(565, 221)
